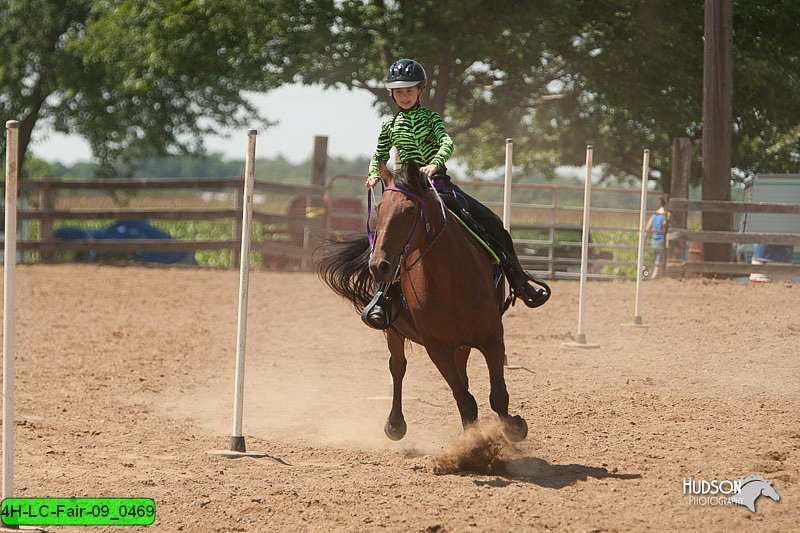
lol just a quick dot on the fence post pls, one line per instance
(47, 204)
(238, 205)
(681, 169)
(314, 203)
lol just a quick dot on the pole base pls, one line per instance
(580, 342)
(236, 444)
(237, 448)
(234, 455)
(637, 323)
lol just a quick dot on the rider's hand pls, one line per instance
(429, 170)
(371, 181)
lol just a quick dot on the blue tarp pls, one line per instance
(125, 229)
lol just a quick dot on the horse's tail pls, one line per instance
(343, 265)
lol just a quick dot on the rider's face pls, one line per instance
(407, 97)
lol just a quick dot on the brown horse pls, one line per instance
(443, 296)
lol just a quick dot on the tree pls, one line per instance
(766, 86)
(645, 78)
(482, 69)
(623, 75)
(132, 77)
(33, 58)
(151, 77)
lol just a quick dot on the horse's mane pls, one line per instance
(409, 178)
(343, 265)
(744, 481)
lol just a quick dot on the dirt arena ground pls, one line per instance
(124, 380)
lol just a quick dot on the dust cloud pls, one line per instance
(482, 448)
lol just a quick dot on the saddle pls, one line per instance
(506, 264)
(480, 234)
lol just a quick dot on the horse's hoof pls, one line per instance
(395, 431)
(515, 428)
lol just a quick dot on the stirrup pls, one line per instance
(539, 296)
(379, 300)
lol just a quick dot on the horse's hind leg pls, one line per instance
(515, 426)
(461, 356)
(395, 427)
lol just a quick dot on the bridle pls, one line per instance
(422, 215)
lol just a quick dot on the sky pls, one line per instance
(347, 118)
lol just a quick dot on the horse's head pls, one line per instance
(751, 488)
(768, 490)
(402, 222)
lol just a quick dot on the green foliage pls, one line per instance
(621, 75)
(132, 77)
(199, 229)
(140, 78)
(178, 69)
(626, 251)
(276, 170)
(766, 93)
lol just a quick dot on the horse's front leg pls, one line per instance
(514, 426)
(395, 427)
(454, 373)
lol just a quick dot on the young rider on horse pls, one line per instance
(420, 136)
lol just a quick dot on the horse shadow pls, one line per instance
(553, 476)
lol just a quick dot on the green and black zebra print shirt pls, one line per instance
(419, 135)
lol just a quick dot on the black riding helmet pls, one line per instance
(405, 73)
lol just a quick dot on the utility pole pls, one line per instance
(717, 124)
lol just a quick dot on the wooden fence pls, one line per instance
(680, 265)
(47, 214)
(288, 237)
(545, 223)
(543, 214)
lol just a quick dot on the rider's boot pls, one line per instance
(522, 285)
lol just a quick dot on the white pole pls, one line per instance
(637, 315)
(507, 185)
(587, 196)
(507, 211)
(9, 296)
(237, 443)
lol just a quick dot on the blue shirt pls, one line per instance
(658, 228)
